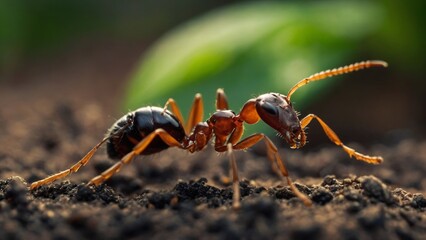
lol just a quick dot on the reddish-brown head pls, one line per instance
(276, 110)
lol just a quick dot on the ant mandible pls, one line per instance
(151, 129)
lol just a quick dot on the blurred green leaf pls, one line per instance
(250, 49)
(402, 36)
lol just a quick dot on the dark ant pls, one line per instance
(152, 129)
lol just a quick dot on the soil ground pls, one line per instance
(179, 195)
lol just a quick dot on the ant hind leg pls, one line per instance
(74, 168)
(137, 150)
(195, 115)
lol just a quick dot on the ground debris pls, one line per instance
(194, 208)
(376, 189)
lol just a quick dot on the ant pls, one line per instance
(151, 129)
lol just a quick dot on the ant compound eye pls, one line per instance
(269, 108)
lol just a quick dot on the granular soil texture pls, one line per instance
(350, 208)
(177, 195)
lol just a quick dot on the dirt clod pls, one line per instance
(321, 196)
(15, 193)
(374, 188)
(419, 201)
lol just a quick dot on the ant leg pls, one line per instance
(175, 109)
(335, 139)
(221, 100)
(72, 169)
(196, 113)
(137, 150)
(236, 136)
(272, 153)
(235, 179)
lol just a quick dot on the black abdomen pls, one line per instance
(145, 121)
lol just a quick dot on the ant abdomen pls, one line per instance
(140, 123)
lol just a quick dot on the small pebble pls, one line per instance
(376, 189)
(321, 195)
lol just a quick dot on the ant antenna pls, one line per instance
(336, 71)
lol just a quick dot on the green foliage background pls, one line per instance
(250, 49)
(247, 48)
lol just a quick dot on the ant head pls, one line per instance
(277, 111)
(222, 122)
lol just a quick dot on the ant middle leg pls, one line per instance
(335, 139)
(137, 150)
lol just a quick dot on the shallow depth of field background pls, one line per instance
(121, 56)
(69, 69)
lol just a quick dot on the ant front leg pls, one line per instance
(235, 179)
(274, 157)
(335, 139)
(137, 150)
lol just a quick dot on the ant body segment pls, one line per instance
(152, 129)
